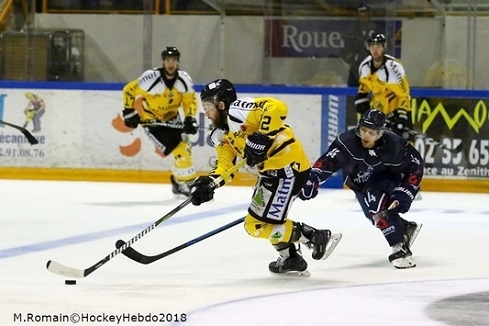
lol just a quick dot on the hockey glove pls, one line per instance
(190, 125)
(131, 118)
(362, 103)
(401, 124)
(404, 196)
(310, 188)
(202, 190)
(256, 148)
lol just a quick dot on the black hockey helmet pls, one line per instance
(363, 7)
(373, 119)
(378, 38)
(219, 90)
(170, 51)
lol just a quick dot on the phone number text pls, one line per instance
(21, 152)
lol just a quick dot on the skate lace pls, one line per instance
(280, 261)
(315, 241)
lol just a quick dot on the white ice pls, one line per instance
(224, 280)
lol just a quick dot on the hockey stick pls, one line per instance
(385, 212)
(151, 123)
(31, 139)
(430, 140)
(63, 270)
(144, 259)
(161, 123)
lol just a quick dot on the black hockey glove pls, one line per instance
(404, 197)
(202, 190)
(362, 103)
(190, 125)
(310, 188)
(131, 118)
(256, 148)
(401, 124)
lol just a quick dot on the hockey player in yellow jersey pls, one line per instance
(162, 92)
(254, 129)
(384, 87)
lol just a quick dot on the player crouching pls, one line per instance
(384, 171)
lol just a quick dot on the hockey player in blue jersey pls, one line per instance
(384, 171)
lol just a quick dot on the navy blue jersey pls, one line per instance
(391, 155)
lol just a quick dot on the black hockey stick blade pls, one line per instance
(135, 255)
(31, 139)
(153, 123)
(64, 270)
(459, 148)
(428, 139)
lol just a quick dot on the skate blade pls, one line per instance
(304, 273)
(415, 234)
(405, 267)
(404, 263)
(333, 242)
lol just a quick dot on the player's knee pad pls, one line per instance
(183, 167)
(377, 200)
(275, 233)
(394, 230)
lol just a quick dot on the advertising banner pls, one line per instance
(458, 136)
(83, 129)
(320, 38)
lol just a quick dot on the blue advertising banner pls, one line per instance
(333, 122)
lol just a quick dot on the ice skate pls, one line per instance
(180, 189)
(412, 230)
(401, 256)
(321, 242)
(289, 263)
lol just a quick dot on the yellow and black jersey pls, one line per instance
(161, 98)
(265, 115)
(387, 85)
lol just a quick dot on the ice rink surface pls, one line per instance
(224, 280)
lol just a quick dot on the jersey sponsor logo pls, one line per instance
(362, 177)
(289, 172)
(249, 105)
(281, 199)
(398, 75)
(258, 200)
(391, 229)
(405, 191)
(278, 233)
(332, 153)
(147, 77)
